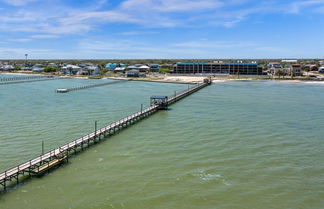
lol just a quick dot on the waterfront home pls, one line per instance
(91, 70)
(321, 69)
(275, 68)
(111, 66)
(38, 68)
(144, 68)
(139, 67)
(116, 67)
(132, 73)
(154, 67)
(70, 69)
(7, 67)
(293, 70)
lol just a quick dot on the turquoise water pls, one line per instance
(230, 145)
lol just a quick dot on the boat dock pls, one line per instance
(66, 90)
(50, 159)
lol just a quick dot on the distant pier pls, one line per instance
(15, 80)
(66, 90)
(44, 162)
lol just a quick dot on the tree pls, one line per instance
(17, 68)
(50, 69)
(164, 70)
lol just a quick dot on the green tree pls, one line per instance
(164, 70)
(50, 69)
(17, 68)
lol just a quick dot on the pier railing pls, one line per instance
(65, 90)
(29, 80)
(18, 78)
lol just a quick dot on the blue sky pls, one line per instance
(158, 29)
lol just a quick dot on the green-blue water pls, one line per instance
(230, 145)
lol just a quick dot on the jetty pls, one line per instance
(49, 160)
(66, 90)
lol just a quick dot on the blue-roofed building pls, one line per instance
(111, 66)
(217, 68)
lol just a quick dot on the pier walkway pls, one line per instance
(17, 78)
(50, 159)
(66, 90)
(29, 80)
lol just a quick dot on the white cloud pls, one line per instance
(44, 36)
(61, 20)
(295, 7)
(19, 40)
(17, 2)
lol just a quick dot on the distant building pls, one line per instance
(6, 67)
(154, 67)
(217, 68)
(321, 69)
(70, 69)
(132, 73)
(111, 66)
(139, 67)
(289, 61)
(38, 68)
(274, 68)
(293, 70)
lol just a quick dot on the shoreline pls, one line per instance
(179, 79)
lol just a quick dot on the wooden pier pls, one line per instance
(66, 90)
(17, 78)
(50, 159)
(43, 78)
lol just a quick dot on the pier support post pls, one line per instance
(95, 136)
(42, 147)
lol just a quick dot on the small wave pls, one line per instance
(211, 176)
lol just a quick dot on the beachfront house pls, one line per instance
(154, 67)
(275, 68)
(70, 69)
(321, 69)
(38, 68)
(116, 67)
(132, 73)
(111, 66)
(91, 70)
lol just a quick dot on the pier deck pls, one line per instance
(54, 157)
(29, 80)
(66, 90)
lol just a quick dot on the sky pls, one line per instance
(161, 29)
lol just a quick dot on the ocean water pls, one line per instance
(236, 144)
